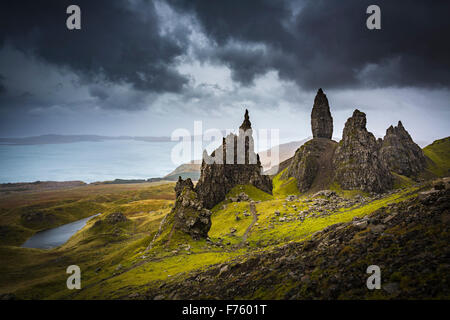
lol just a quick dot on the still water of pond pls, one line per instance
(55, 237)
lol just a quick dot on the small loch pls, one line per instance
(55, 237)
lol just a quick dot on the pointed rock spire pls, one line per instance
(356, 121)
(246, 124)
(240, 166)
(321, 119)
(400, 153)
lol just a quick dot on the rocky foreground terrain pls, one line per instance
(407, 240)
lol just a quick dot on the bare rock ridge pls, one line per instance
(399, 152)
(321, 119)
(356, 163)
(233, 163)
(359, 161)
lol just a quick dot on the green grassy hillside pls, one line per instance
(439, 154)
(114, 260)
(23, 214)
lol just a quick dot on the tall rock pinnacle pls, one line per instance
(321, 119)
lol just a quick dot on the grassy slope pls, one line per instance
(64, 206)
(284, 187)
(439, 154)
(34, 273)
(112, 257)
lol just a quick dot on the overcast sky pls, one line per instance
(148, 67)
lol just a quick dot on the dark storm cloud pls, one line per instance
(119, 41)
(327, 43)
(2, 86)
(99, 93)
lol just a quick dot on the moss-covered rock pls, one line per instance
(188, 214)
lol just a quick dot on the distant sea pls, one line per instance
(86, 161)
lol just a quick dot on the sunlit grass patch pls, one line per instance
(283, 187)
(439, 153)
(253, 193)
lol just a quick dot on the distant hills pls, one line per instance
(57, 139)
(186, 170)
(285, 151)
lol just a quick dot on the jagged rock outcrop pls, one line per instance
(356, 162)
(311, 165)
(359, 161)
(188, 215)
(115, 217)
(233, 163)
(321, 119)
(181, 184)
(399, 152)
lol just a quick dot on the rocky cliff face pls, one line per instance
(233, 163)
(188, 214)
(356, 162)
(321, 119)
(399, 152)
(311, 164)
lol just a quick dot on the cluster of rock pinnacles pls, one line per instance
(358, 161)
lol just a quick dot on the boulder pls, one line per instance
(243, 197)
(115, 217)
(324, 193)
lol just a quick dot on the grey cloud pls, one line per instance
(327, 43)
(100, 93)
(119, 42)
(2, 86)
(124, 69)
